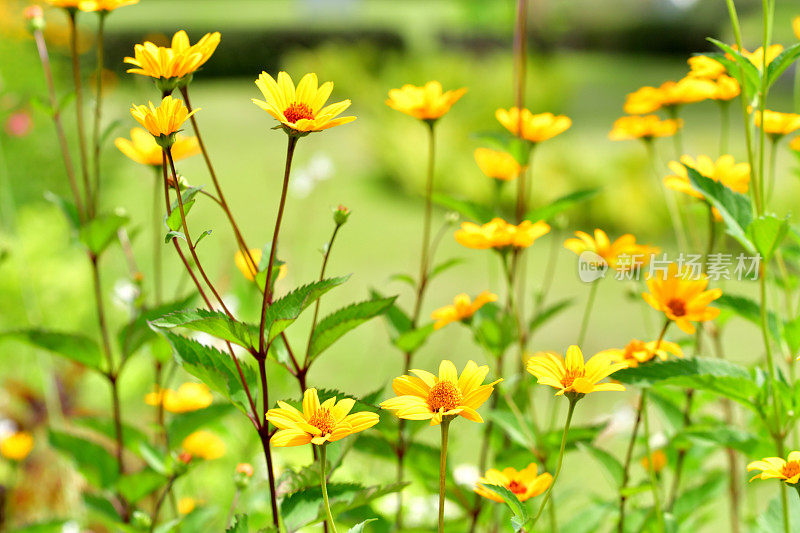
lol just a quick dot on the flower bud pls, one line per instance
(244, 471)
(340, 215)
(35, 17)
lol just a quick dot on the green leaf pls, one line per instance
(239, 525)
(511, 427)
(444, 266)
(105, 426)
(610, 463)
(781, 63)
(771, 520)
(72, 346)
(66, 207)
(735, 208)
(136, 333)
(559, 205)
(359, 528)
(214, 368)
(712, 375)
(548, 313)
(155, 458)
(791, 332)
(174, 235)
(109, 130)
(49, 526)
(766, 233)
(519, 511)
(333, 326)
(726, 436)
(284, 311)
(398, 321)
(183, 424)
(202, 236)
(215, 323)
(137, 485)
(751, 72)
(101, 231)
(412, 340)
(749, 310)
(93, 461)
(101, 506)
(405, 278)
(692, 499)
(173, 221)
(470, 210)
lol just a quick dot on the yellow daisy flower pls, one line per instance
(105, 5)
(525, 484)
(623, 254)
(778, 468)
(68, 4)
(428, 102)
(461, 309)
(175, 64)
(727, 88)
(687, 91)
(188, 397)
(16, 446)
(204, 444)
(705, 67)
(637, 352)
(682, 297)
(186, 505)
(317, 423)
(500, 235)
(643, 127)
(164, 121)
(143, 148)
(776, 123)
(725, 169)
(643, 100)
(496, 164)
(570, 375)
(535, 128)
(300, 110)
(425, 396)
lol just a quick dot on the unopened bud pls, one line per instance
(340, 215)
(244, 471)
(35, 17)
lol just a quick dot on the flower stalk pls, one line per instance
(76, 77)
(324, 486)
(445, 427)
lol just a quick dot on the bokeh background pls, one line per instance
(585, 55)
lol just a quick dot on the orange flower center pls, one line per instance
(297, 111)
(570, 376)
(323, 421)
(444, 395)
(677, 306)
(516, 487)
(633, 347)
(791, 469)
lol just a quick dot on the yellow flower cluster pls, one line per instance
(500, 235)
(462, 308)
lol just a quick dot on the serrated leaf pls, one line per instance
(610, 463)
(333, 326)
(239, 525)
(71, 346)
(519, 511)
(97, 234)
(734, 207)
(766, 233)
(214, 323)
(173, 220)
(559, 205)
(214, 368)
(93, 461)
(284, 311)
(470, 210)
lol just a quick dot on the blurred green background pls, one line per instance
(585, 55)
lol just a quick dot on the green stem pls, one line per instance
(316, 306)
(677, 139)
(587, 312)
(653, 478)
(98, 107)
(76, 76)
(443, 470)
(669, 198)
(626, 467)
(324, 485)
(572, 403)
(157, 241)
(724, 122)
(773, 158)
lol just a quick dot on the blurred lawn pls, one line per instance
(378, 173)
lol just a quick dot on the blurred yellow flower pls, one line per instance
(643, 127)
(188, 397)
(246, 469)
(428, 102)
(425, 396)
(727, 88)
(643, 100)
(777, 123)
(658, 460)
(794, 144)
(204, 444)
(186, 505)
(246, 268)
(105, 5)
(317, 423)
(778, 468)
(65, 3)
(500, 234)
(16, 446)
(570, 375)
(461, 309)
(623, 254)
(535, 128)
(687, 91)
(796, 26)
(682, 297)
(300, 109)
(705, 67)
(174, 62)
(497, 164)
(637, 352)
(757, 56)
(164, 120)
(525, 484)
(725, 170)
(143, 148)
